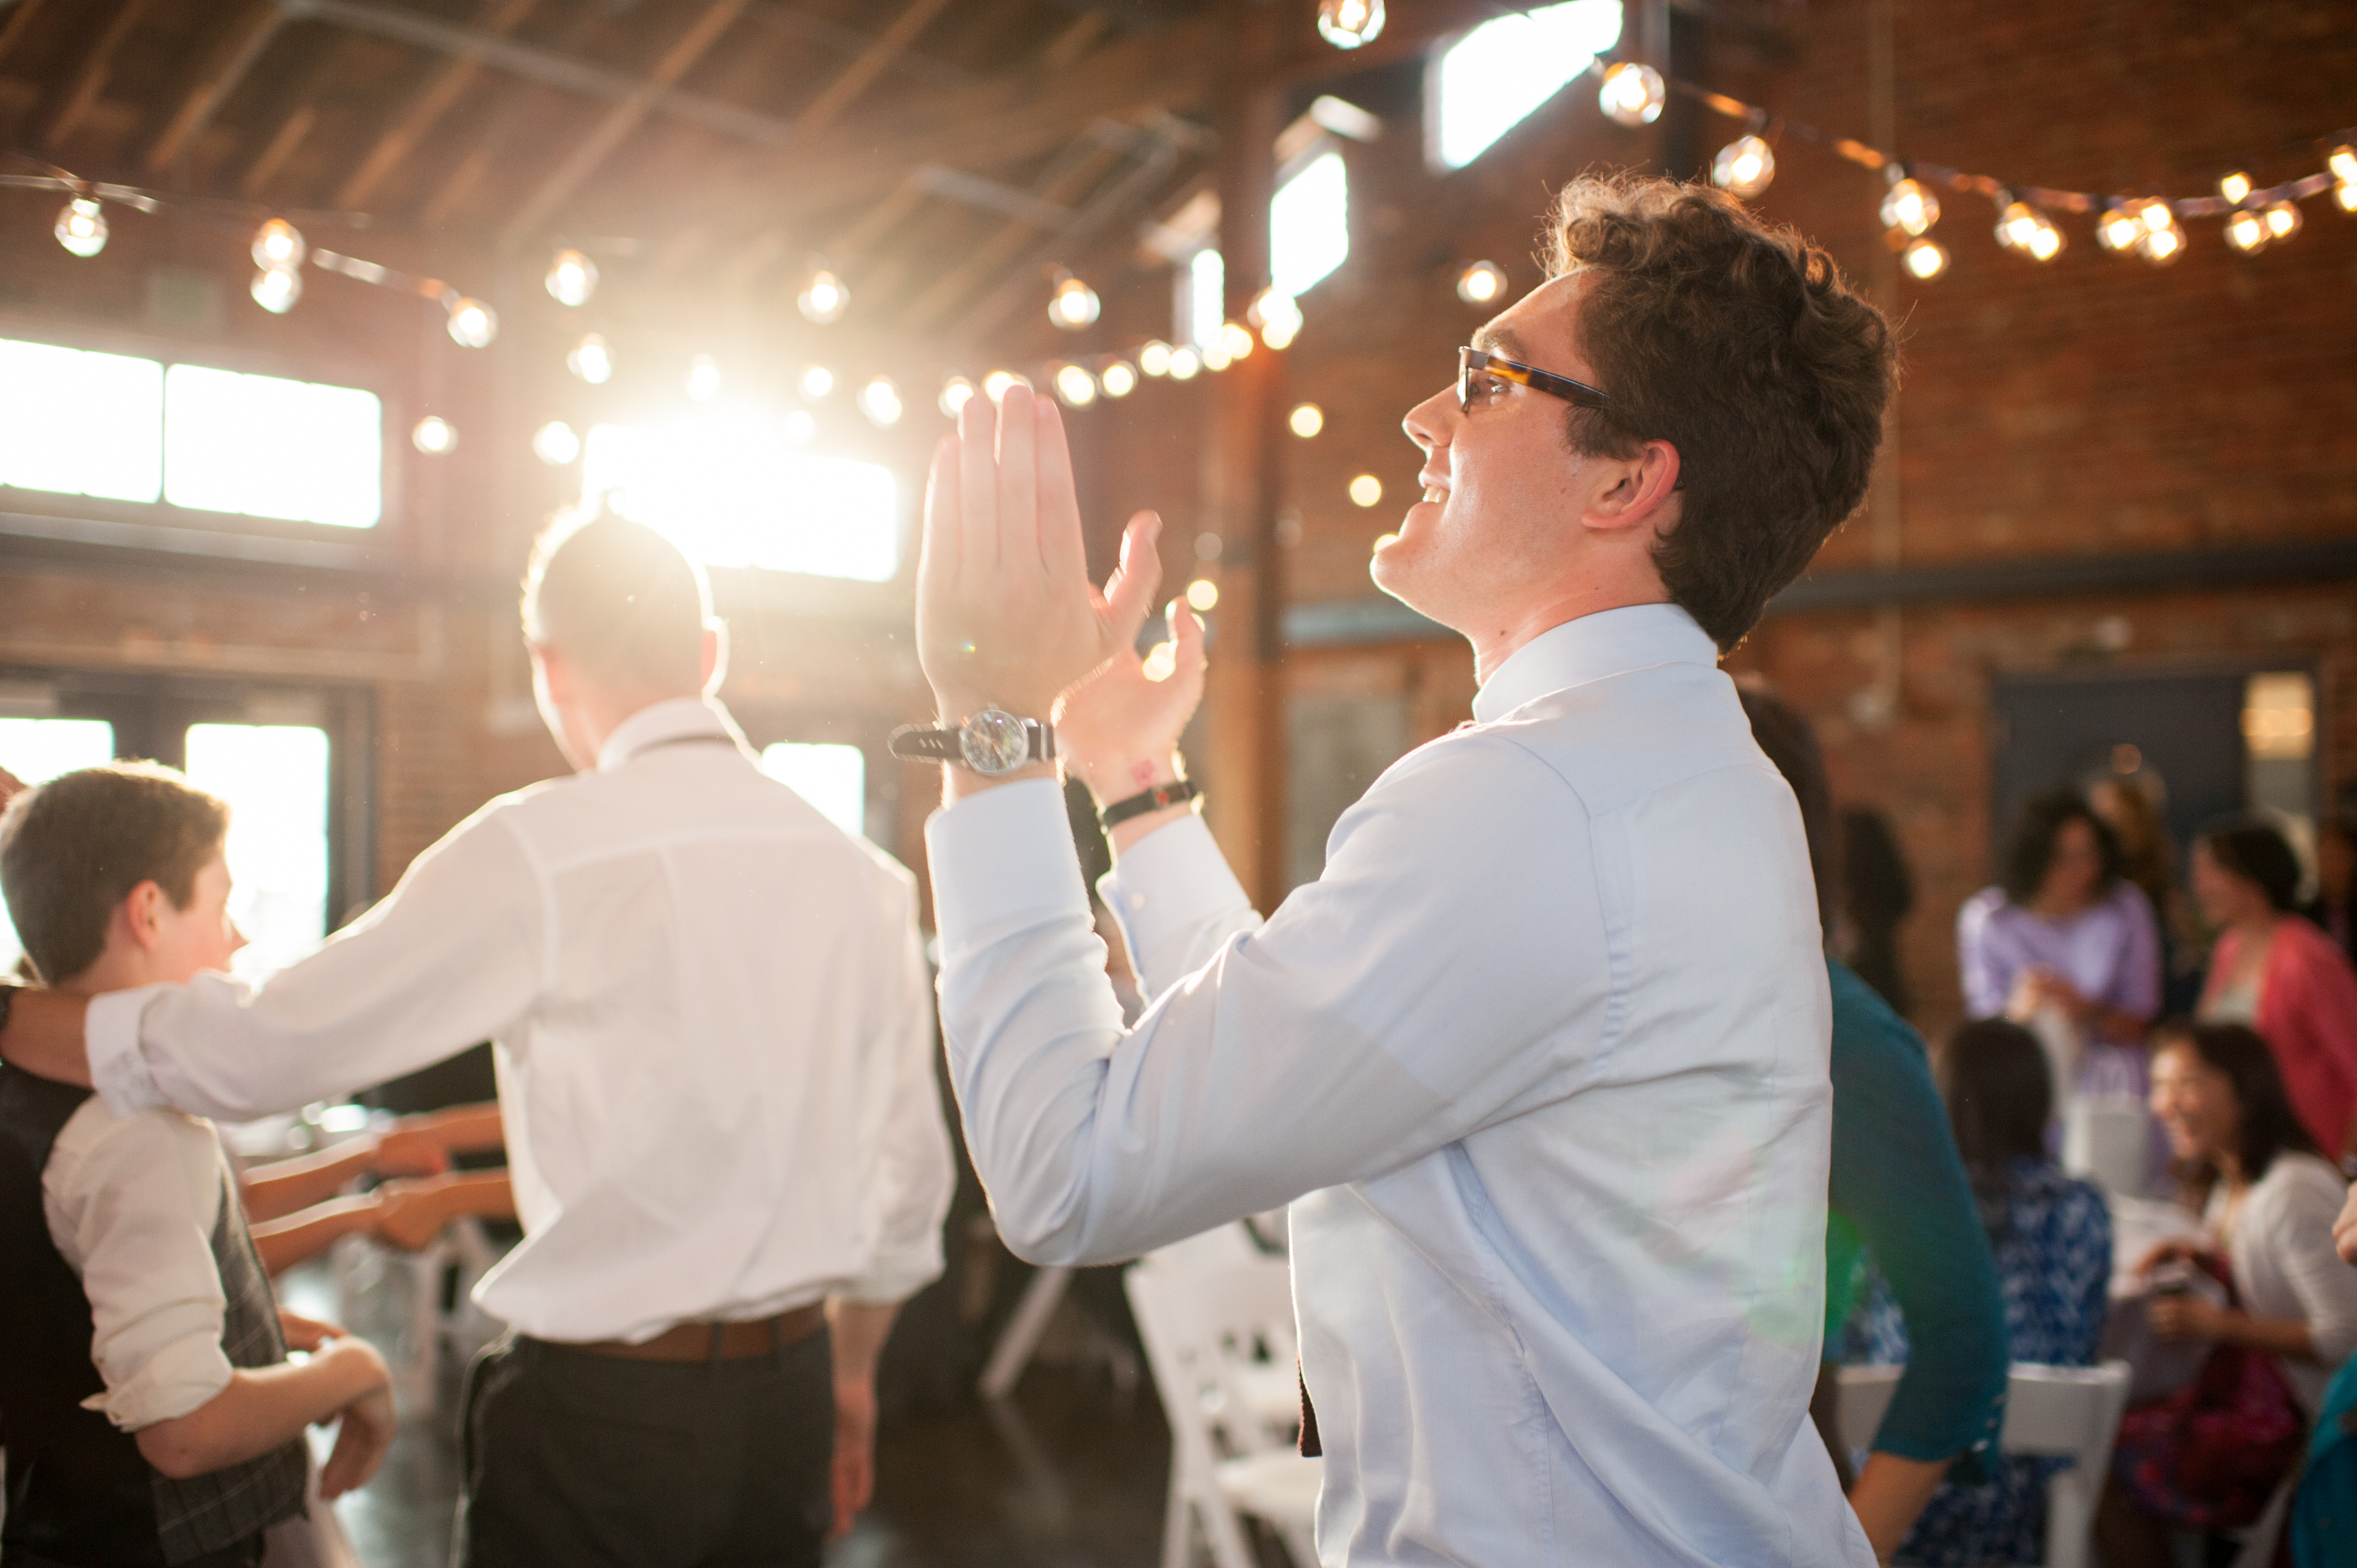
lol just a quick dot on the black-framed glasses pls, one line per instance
(1472, 362)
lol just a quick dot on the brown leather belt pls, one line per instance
(716, 1341)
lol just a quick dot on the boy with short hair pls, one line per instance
(153, 1416)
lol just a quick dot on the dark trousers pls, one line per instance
(580, 1460)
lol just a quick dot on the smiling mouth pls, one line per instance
(1434, 493)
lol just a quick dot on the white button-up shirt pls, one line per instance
(714, 1037)
(1540, 1063)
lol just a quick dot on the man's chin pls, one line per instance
(1394, 571)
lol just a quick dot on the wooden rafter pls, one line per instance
(282, 128)
(78, 89)
(854, 78)
(987, 258)
(621, 120)
(426, 106)
(20, 17)
(234, 46)
(508, 115)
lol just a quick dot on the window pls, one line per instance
(274, 778)
(120, 428)
(1206, 306)
(266, 447)
(1309, 225)
(1490, 80)
(81, 423)
(37, 750)
(730, 492)
(831, 777)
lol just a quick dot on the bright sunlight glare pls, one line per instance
(1491, 79)
(831, 777)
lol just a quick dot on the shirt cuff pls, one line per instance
(1168, 883)
(118, 1069)
(998, 858)
(177, 1378)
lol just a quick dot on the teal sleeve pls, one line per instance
(1899, 1182)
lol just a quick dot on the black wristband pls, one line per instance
(1154, 799)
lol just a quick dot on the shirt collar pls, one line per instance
(1609, 642)
(674, 718)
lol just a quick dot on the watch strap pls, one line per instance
(923, 743)
(1175, 792)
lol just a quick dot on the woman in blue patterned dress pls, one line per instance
(2053, 1237)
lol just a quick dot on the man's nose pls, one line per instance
(1431, 423)
(236, 937)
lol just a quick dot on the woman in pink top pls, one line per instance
(2280, 974)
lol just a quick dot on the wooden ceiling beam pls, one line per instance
(621, 121)
(235, 45)
(838, 94)
(994, 254)
(74, 92)
(433, 98)
(20, 17)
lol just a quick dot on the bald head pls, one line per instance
(621, 603)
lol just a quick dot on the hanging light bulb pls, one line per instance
(1072, 304)
(1924, 259)
(2024, 227)
(2161, 243)
(1910, 207)
(2118, 228)
(996, 384)
(554, 443)
(1366, 491)
(1154, 358)
(2283, 219)
(823, 299)
(81, 227)
(1633, 93)
(1216, 357)
(473, 324)
(2342, 161)
(278, 246)
(276, 290)
(1347, 23)
(592, 359)
(2156, 214)
(1118, 379)
(816, 382)
(1278, 317)
(879, 400)
(434, 436)
(956, 393)
(1744, 166)
(1202, 594)
(572, 278)
(2246, 230)
(2344, 195)
(2234, 187)
(1185, 363)
(1076, 386)
(1305, 420)
(1236, 341)
(1481, 283)
(704, 378)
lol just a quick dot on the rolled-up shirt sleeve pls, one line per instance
(1325, 1047)
(456, 951)
(132, 1204)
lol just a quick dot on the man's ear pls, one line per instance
(141, 914)
(1636, 491)
(556, 674)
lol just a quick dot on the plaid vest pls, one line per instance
(79, 1490)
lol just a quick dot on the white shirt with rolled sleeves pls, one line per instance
(1540, 1063)
(714, 1037)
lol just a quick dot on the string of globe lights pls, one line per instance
(2149, 227)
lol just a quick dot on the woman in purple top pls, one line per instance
(2065, 933)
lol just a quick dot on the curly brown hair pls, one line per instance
(75, 847)
(1739, 344)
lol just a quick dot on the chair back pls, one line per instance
(2067, 1413)
(1220, 1339)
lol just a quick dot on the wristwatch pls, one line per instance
(993, 742)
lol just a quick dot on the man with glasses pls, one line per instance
(1539, 1062)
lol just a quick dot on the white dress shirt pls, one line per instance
(1540, 1062)
(132, 1203)
(714, 1040)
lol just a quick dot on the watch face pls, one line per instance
(994, 741)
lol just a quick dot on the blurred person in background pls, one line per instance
(1877, 893)
(2277, 973)
(2068, 945)
(2053, 1239)
(1901, 1210)
(2333, 910)
(2209, 1456)
(2148, 859)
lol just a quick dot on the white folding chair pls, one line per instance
(2067, 1413)
(420, 1327)
(1220, 1337)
